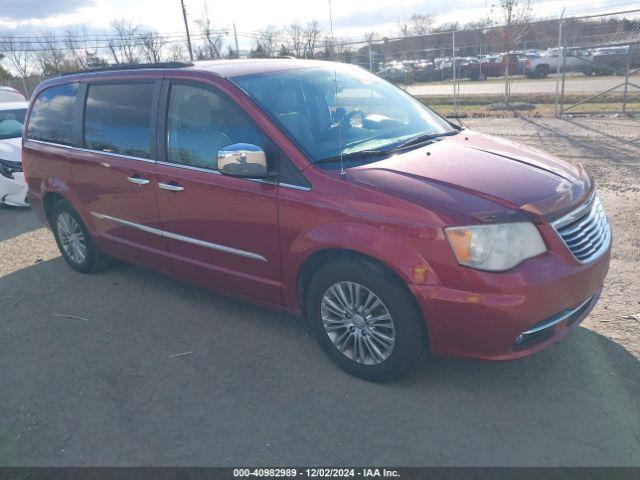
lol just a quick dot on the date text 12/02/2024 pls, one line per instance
(316, 472)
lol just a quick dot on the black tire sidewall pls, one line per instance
(408, 322)
(91, 259)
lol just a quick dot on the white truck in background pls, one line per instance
(576, 60)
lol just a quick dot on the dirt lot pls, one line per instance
(102, 386)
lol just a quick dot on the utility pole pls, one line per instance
(186, 27)
(235, 36)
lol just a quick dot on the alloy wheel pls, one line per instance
(71, 238)
(358, 323)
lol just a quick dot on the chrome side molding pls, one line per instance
(182, 238)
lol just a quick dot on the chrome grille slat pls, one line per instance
(594, 236)
(581, 233)
(585, 231)
(581, 224)
(596, 232)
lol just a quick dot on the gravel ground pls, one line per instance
(102, 385)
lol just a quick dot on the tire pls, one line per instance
(408, 328)
(542, 71)
(70, 231)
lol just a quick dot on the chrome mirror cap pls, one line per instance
(243, 160)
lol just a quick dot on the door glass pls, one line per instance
(51, 118)
(118, 119)
(200, 122)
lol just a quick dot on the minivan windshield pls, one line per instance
(367, 118)
(11, 122)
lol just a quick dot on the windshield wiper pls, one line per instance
(422, 139)
(361, 155)
(380, 154)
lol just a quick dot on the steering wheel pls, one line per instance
(346, 120)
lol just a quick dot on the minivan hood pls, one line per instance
(482, 176)
(11, 149)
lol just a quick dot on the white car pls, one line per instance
(13, 188)
(8, 94)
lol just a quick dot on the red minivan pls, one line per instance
(323, 190)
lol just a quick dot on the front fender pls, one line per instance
(375, 242)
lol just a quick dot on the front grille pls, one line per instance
(586, 231)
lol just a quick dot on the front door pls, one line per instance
(220, 230)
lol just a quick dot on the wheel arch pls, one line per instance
(49, 201)
(320, 257)
(354, 241)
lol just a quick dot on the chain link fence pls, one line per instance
(585, 70)
(608, 54)
(582, 69)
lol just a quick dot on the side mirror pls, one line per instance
(243, 160)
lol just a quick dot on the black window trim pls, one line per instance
(153, 116)
(162, 138)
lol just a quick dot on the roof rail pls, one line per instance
(131, 66)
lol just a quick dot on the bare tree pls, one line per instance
(421, 23)
(18, 57)
(514, 15)
(151, 44)
(177, 52)
(312, 34)
(268, 40)
(403, 29)
(50, 55)
(328, 48)
(295, 32)
(74, 42)
(124, 45)
(213, 39)
(370, 37)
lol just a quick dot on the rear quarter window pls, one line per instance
(51, 118)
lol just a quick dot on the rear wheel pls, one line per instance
(74, 241)
(366, 320)
(542, 71)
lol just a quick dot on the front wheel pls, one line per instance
(74, 241)
(366, 320)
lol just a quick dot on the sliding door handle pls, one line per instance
(172, 187)
(138, 180)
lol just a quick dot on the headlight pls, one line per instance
(8, 168)
(495, 247)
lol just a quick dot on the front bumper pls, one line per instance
(486, 323)
(13, 191)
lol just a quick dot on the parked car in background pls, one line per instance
(13, 188)
(616, 60)
(576, 60)
(396, 74)
(320, 189)
(8, 94)
(481, 69)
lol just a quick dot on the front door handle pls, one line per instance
(172, 187)
(138, 180)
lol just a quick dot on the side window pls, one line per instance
(200, 122)
(117, 118)
(51, 117)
